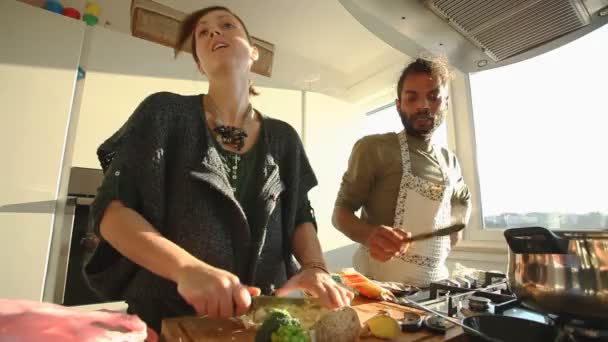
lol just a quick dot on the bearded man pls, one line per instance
(404, 185)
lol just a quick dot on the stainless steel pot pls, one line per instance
(560, 272)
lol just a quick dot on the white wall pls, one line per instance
(281, 104)
(106, 105)
(332, 127)
(38, 64)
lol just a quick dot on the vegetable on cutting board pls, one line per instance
(290, 333)
(364, 286)
(382, 326)
(281, 325)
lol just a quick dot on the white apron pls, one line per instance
(422, 206)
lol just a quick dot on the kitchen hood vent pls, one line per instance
(158, 23)
(506, 28)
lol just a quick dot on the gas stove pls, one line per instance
(464, 298)
(449, 296)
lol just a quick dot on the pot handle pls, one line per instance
(535, 240)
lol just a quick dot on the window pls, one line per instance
(386, 119)
(540, 129)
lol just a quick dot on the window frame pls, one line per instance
(461, 134)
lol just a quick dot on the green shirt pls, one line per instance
(243, 172)
(374, 172)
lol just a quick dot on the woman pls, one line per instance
(204, 202)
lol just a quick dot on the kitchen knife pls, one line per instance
(275, 301)
(439, 232)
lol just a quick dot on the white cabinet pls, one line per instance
(39, 56)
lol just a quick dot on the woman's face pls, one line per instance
(222, 44)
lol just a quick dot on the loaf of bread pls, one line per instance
(342, 325)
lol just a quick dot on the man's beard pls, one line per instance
(427, 133)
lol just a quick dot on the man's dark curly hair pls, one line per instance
(437, 68)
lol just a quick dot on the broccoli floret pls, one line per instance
(275, 320)
(290, 333)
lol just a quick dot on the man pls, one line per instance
(405, 185)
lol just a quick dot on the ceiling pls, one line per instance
(350, 49)
(321, 30)
(319, 45)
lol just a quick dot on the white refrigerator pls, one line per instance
(39, 57)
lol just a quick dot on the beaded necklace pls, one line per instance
(226, 134)
(232, 136)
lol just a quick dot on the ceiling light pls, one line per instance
(482, 63)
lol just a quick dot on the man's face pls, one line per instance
(423, 104)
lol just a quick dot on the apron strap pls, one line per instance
(443, 166)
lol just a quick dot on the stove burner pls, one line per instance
(437, 324)
(411, 322)
(479, 304)
(446, 287)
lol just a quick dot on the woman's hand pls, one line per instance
(213, 291)
(319, 284)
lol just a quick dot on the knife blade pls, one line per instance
(439, 232)
(275, 301)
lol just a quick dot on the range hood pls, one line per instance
(477, 35)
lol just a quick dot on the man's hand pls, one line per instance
(320, 285)
(386, 242)
(455, 238)
(214, 292)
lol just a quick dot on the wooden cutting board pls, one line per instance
(192, 329)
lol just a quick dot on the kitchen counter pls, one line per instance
(368, 308)
(190, 329)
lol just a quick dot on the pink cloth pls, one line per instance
(25, 321)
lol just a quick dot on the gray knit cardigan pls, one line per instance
(163, 164)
